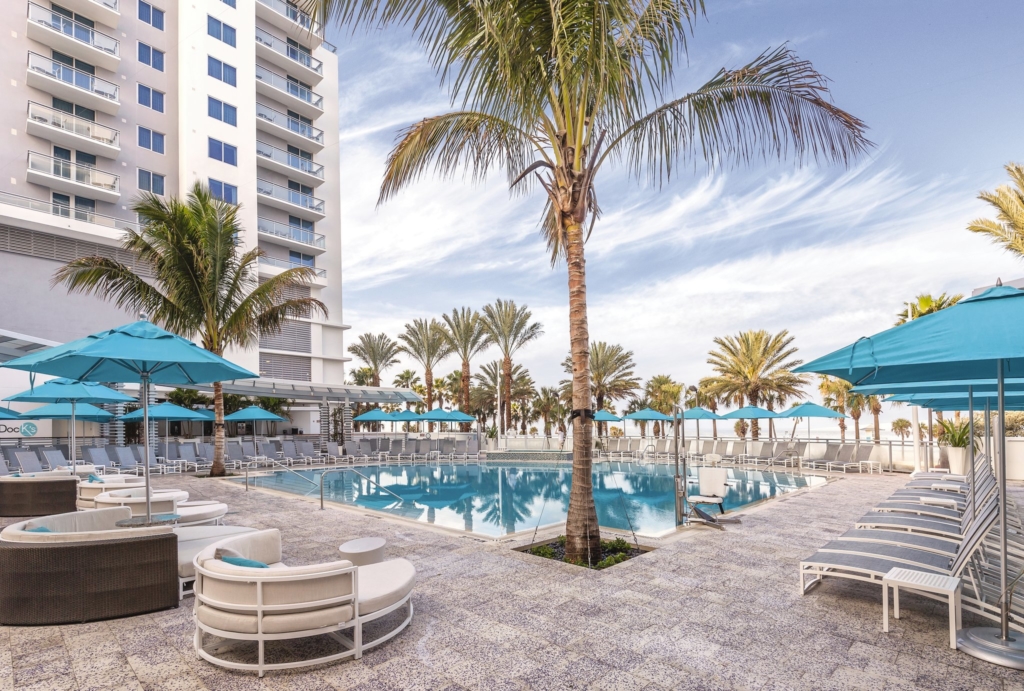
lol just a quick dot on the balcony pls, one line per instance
(107, 12)
(276, 266)
(291, 20)
(302, 205)
(61, 211)
(290, 129)
(278, 51)
(72, 132)
(294, 167)
(73, 178)
(296, 97)
(57, 79)
(72, 38)
(291, 236)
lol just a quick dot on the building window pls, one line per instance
(220, 31)
(73, 109)
(151, 98)
(301, 259)
(225, 112)
(151, 182)
(148, 55)
(148, 139)
(151, 15)
(223, 191)
(230, 3)
(223, 152)
(220, 70)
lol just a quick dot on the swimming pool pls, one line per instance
(496, 499)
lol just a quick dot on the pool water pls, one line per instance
(497, 499)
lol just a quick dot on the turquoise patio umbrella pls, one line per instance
(808, 410)
(374, 415)
(436, 415)
(405, 416)
(647, 415)
(139, 352)
(8, 414)
(938, 387)
(254, 414)
(697, 413)
(605, 416)
(63, 411)
(459, 416)
(750, 412)
(71, 391)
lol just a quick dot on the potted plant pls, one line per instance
(955, 437)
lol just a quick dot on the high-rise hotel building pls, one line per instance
(105, 98)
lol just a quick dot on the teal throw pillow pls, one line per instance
(242, 561)
(38, 529)
(95, 478)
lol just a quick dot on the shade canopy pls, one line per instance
(253, 414)
(944, 404)
(127, 353)
(647, 415)
(750, 412)
(206, 414)
(8, 414)
(435, 415)
(605, 416)
(458, 416)
(405, 416)
(69, 390)
(939, 387)
(809, 409)
(699, 413)
(961, 342)
(62, 411)
(375, 415)
(979, 398)
(163, 411)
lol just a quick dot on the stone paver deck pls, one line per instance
(712, 611)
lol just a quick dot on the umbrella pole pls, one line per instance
(970, 443)
(1004, 614)
(145, 443)
(71, 451)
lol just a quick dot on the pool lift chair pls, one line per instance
(711, 488)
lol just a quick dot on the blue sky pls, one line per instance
(827, 253)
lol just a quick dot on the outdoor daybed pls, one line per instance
(164, 501)
(89, 489)
(37, 494)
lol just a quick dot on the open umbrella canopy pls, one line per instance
(605, 416)
(958, 343)
(648, 414)
(939, 387)
(436, 415)
(375, 415)
(749, 412)
(8, 414)
(405, 416)
(62, 411)
(206, 414)
(459, 416)
(979, 398)
(163, 411)
(254, 414)
(809, 409)
(699, 413)
(67, 390)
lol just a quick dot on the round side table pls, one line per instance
(364, 551)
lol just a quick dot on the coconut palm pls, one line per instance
(425, 342)
(467, 337)
(901, 427)
(203, 285)
(1007, 229)
(553, 92)
(509, 327)
(835, 394)
(926, 303)
(752, 367)
(377, 351)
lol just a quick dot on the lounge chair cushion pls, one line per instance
(281, 593)
(274, 623)
(194, 539)
(384, 583)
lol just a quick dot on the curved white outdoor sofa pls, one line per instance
(88, 490)
(285, 602)
(163, 501)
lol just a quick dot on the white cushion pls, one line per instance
(192, 540)
(385, 583)
(79, 526)
(199, 514)
(238, 622)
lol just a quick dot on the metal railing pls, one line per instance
(288, 50)
(286, 194)
(69, 170)
(289, 123)
(110, 4)
(290, 232)
(67, 212)
(69, 27)
(289, 159)
(73, 124)
(293, 13)
(282, 83)
(285, 264)
(69, 75)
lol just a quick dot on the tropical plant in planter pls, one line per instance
(956, 435)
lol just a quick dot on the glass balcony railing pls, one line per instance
(285, 264)
(291, 160)
(69, 75)
(69, 27)
(290, 232)
(67, 212)
(289, 87)
(288, 50)
(286, 9)
(73, 124)
(306, 201)
(77, 172)
(289, 123)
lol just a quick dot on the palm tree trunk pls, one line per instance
(428, 377)
(582, 535)
(752, 400)
(878, 431)
(464, 403)
(506, 394)
(714, 430)
(856, 428)
(601, 431)
(217, 469)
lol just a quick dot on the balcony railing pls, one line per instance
(289, 159)
(67, 212)
(290, 232)
(306, 201)
(82, 80)
(293, 13)
(289, 87)
(69, 170)
(73, 124)
(69, 27)
(285, 264)
(289, 123)
(289, 51)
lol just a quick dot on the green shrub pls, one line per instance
(561, 540)
(546, 551)
(612, 560)
(615, 546)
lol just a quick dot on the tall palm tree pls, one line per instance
(425, 342)
(551, 92)
(835, 394)
(509, 327)
(636, 404)
(901, 427)
(467, 337)
(546, 403)
(664, 393)
(611, 374)
(1007, 229)
(855, 404)
(377, 351)
(874, 406)
(753, 366)
(926, 303)
(203, 285)
(703, 398)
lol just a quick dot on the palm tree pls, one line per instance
(377, 351)
(611, 374)
(467, 337)
(855, 404)
(835, 394)
(664, 394)
(406, 379)
(753, 366)
(636, 404)
(361, 376)
(509, 327)
(1008, 227)
(552, 92)
(703, 398)
(546, 403)
(203, 285)
(901, 427)
(874, 406)
(425, 342)
(926, 303)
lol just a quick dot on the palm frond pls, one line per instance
(111, 280)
